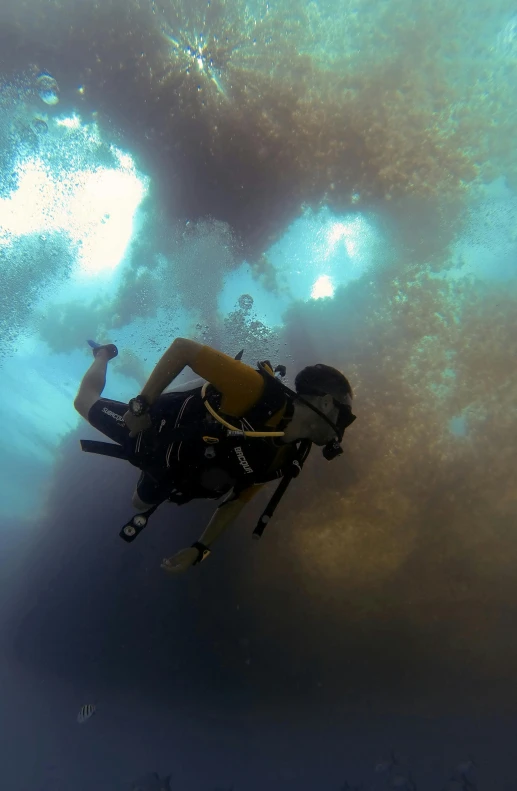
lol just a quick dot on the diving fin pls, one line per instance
(110, 348)
(237, 356)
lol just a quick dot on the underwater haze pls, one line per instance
(328, 181)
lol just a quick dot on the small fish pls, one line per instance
(85, 712)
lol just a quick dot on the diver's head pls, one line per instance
(321, 380)
(327, 390)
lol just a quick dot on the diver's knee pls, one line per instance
(83, 405)
(138, 503)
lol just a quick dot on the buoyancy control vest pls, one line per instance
(204, 458)
(193, 454)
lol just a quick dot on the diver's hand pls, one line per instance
(181, 561)
(137, 423)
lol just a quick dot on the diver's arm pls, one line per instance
(221, 519)
(240, 384)
(181, 352)
(227, 513)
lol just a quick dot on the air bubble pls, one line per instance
(48, 89)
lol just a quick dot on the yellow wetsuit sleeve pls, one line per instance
(241, 386)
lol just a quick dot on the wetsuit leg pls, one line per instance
(150, 490)
(138, 503)
(107, 416)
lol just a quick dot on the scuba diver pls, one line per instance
(224, 435)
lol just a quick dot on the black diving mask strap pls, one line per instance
(345, 416)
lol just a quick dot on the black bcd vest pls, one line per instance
(192, 455)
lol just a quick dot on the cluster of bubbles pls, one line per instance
(47, 89)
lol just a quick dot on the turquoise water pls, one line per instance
(315, 182)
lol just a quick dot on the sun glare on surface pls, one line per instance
(94, 206)
(322, 288)
(348, 233)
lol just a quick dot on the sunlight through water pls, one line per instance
(95, 207)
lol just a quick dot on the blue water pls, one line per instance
(312, 182)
